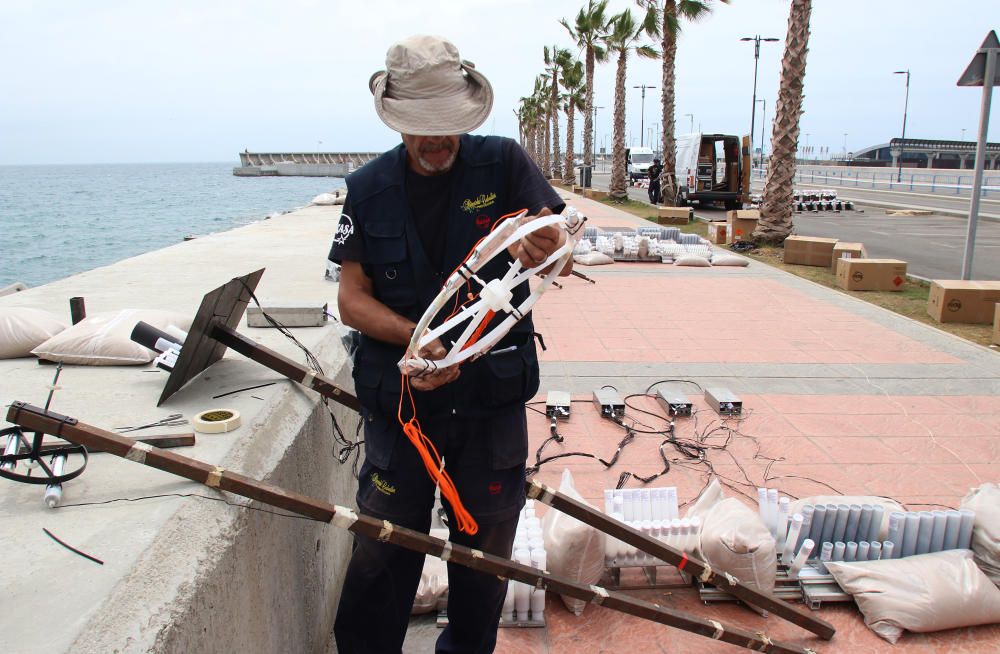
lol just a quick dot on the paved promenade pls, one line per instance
(841, 397)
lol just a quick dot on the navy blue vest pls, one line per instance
(404, 280)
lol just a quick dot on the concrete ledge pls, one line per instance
(185, 574)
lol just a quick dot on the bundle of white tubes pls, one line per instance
(852, 532)
(654, 512)
(525, 603)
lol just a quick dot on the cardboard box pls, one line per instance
(674, 215)
(809, 250)
(744, 221)
(954, 300)
(718, 233)
(847, 250)
(871, 274)
(996, 325)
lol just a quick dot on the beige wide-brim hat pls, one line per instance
(427, 89)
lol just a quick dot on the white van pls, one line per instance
(713, 168)
(639, 160)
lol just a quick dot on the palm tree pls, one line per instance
(590, 28)
(671, 14)
(542, 91)
(572, 81)
(624, 38)
(554, 59)
(775, 223)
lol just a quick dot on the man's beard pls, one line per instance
(437, 168)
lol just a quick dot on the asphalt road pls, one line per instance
(933, 246)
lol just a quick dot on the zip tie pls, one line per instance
(138, 452)
(540, 491)
(719, 631)
(477, 554)
(706, 574)
(386, 531)
(732, 580)
(344, 517)
(445, 551)
(215, 477)
(308, 378)
(599, 595)
(684, 562)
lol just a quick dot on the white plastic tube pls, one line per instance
(953, 525)
(781, 524)
(925, 530)
(851, 551)
(937, 536)
(875, 551)
(522, 592)
(800, 558)
(537, 601)
(772, 511)
(896, 524)
(830, 523)
(646, 501)
(672, 503)
(911, 526)
(507, 613)
(840, 526)
(794, 529)
(659, 503)
(609, 501)
(762, 506)
(968, 519)
(864, 548)
(875, 530)
(853, 522)
(807, 518)
(865, 523)
(838, 550)
(818, 524)
(53, 492)
(694, 535)
(629, 503)
(825, 556)
(888, 549)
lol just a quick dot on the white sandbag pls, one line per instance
(693, 260)
(23, 328)
(735, 540)
(985, 501)
(329, 199)
(574, 550)
(922, 593)
(729, 260)
(593, 258)
(433, 587)
(887, 504)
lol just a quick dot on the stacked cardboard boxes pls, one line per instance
(954, 300)
(718, 233)
(871, 274)
(809, 250)
(845, 250)
(674, 215)
(743, 222)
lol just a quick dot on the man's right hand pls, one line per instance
(428, 381)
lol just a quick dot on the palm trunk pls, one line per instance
(554, 112)
(619, 185)
(547, 146)
(588, 114)
(776, 209)
(536, 145)
(569, 172)
(668, 180)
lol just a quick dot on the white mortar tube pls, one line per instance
(537, 601)
(781, 524)
(968, 520)
(937, 536)
(522, 592)
(794, 529)
(800, 558)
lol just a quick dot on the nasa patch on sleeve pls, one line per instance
(345, 228)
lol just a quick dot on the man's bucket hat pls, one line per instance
(428, 90)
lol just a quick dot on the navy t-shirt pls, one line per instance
(428, 198)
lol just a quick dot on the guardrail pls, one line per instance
(940, 183)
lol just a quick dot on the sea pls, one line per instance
(58, 220)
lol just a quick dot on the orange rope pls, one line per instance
(432, 462)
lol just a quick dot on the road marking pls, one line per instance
(880, 233)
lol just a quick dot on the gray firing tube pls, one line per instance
(853, 520)
(826, 554)
(828, 524)
(851, 551)
(896, 520)
(888, 549)
(965, 530)
(807, 520)
(864, 551)
(952, 527)
(875, 551)
(911, 526)
(865, 523)
(838, 550)
(925, 531)
(819, 520)
(840, 526)
(937, 536)
(875, 531)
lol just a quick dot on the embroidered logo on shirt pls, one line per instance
(495, 487)
(344, 229)
(478, 204)
(382, 485)
(483, 221)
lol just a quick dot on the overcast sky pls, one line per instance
(200, 80)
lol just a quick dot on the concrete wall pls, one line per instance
(185, 574)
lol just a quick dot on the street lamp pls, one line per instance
(642, 114)
(756, 56)
(906, 104)
(691, 116)
(594, 130)
(963, 133)
(845, 146)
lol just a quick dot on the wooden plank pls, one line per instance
(36, 419)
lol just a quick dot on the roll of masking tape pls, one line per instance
(216, 421)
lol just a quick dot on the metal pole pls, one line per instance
(642, 114)
(906, 104)
(977, 180)
(753, 110)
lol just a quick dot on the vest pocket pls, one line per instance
(385, 255)
(508, 376)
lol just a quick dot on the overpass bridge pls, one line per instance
(301, 164)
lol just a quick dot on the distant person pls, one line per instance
(654, 182)
(410, 218)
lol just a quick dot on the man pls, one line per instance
(410, 219)
(654, 181)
